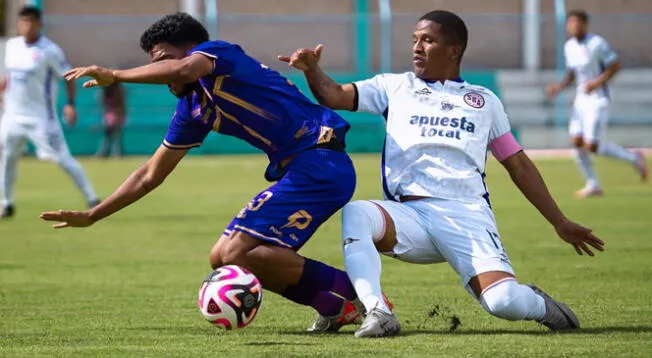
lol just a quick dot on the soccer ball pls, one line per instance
(230, 297)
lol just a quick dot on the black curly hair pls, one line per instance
(176, 29)
(451, 26)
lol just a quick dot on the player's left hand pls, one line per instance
(579, 236)
(67, 218)
(591, 86)
(70, 114)
(101, 76)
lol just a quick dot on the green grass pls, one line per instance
(128, 285)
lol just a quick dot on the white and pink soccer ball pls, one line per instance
(230, 297)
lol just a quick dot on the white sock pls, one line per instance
(583, 160)
(508, 300)
(362, 222)
(76, 172)
(613, 150)
(8, 172)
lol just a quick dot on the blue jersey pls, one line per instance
(245, 99)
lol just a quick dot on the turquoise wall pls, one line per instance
(150, 108)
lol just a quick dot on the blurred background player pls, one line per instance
(437, 205)
(591, 63)
(222, 89)
(35, 64)
(113, 120)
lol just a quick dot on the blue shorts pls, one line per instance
(317, 184)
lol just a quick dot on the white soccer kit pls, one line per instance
(588, 59)
(436, 145)
(33, 74)
(34, 71)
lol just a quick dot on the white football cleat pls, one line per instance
(588, 192)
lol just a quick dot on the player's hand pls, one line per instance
(70, 114)
(101, 76)
(553, 90)
(591, 86)
(303, 59)
(579, 236)
(65, 218)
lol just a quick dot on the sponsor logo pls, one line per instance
(450, 127)
(349, 241)
(423, 92)
(474, 99)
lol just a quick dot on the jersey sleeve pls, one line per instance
(185, 132)
(222, 65)
(501, 140)
(57, 60)
(606, 54)
(371, 95)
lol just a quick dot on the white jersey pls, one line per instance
(437, 135)
(588, 59)
(33, 75)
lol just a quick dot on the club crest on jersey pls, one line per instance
(474, 99)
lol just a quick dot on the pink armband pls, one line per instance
(504, 146)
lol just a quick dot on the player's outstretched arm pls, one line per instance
(145, 179)
(527, 178)
(186, 70)
(327, 92)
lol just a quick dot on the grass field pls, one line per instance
(128, 286)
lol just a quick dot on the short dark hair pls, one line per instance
(580, 14)
(31, 11)
(451, 26)
(176, 29)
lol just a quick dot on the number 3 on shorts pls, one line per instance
(256, 203)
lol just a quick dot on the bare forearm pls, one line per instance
(162, 72)
(131, 190)
(326, 91)
(568, 79)
(608, 74)
(529, 181)
(71, 91)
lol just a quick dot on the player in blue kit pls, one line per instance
(222, 89)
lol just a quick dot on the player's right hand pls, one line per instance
(67, 218)
(304, 59)
(580, 237)
(101, 76)
(553, 89)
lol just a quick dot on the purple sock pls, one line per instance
(315, 286)
(328, 278)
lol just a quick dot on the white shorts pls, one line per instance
(47, 138)
(589, 120)
(438, 230)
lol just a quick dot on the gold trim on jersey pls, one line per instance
(254, 232)
(217, 90)
(245, 127)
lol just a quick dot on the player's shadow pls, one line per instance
(593, 330)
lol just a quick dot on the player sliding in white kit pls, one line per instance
(591, 63)
(437, 206)
(34, 65)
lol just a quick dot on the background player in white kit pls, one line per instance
(591, 63)
(437, 207)
(35, 64)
